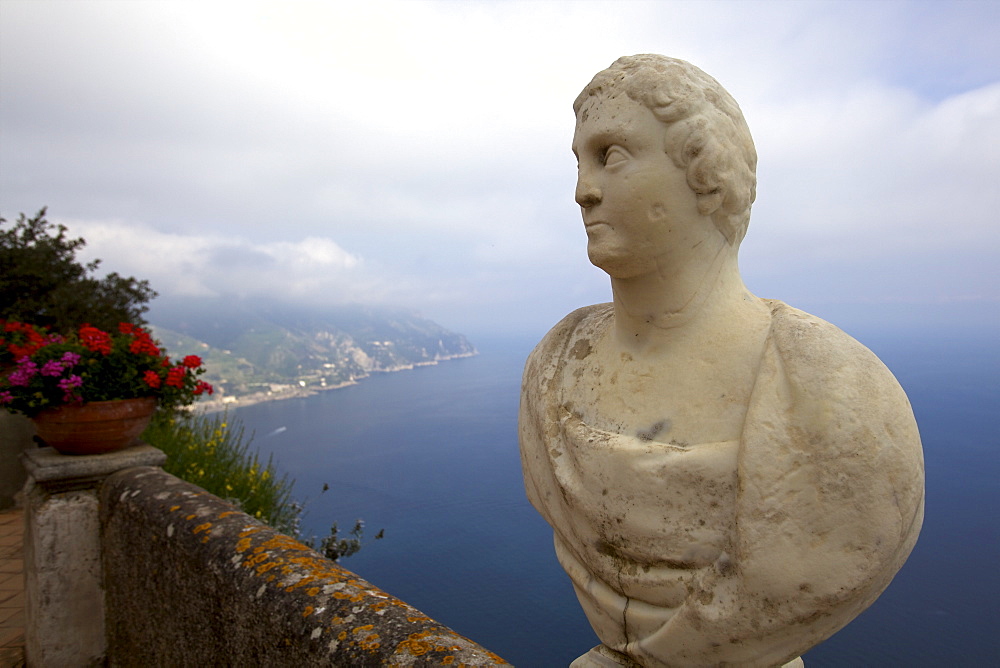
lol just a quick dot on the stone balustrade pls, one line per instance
(137, 567)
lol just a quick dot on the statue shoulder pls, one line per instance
(577, 330)
(818, 356)
(571, 336)
(841, 404)
(831, 498)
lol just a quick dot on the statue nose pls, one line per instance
(587, 194)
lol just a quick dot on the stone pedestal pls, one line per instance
(605, 657)
(64, 593)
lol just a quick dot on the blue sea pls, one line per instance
(431, 456)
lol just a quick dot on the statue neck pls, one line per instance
(663, 309)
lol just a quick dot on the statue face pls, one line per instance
(640, 214)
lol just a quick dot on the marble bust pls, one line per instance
(729, 480)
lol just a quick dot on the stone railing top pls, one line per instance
(255, 595)
(46, 465)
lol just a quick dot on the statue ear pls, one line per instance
(710, 203)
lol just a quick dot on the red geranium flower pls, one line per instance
(142, 342)
(93, 365)
(175, 377)
(152, 379)
(32, 339)
(95, 340)
(143, 345)
(192, 361)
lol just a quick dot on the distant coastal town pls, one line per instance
(282, 391)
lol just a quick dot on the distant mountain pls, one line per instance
(257, 351)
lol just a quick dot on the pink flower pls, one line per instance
(67, 385)
(52, 368)
(26, 369)
(71, 382)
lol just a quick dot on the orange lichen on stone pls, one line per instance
(341, 595)
(255, 559)
(308, 611)
(228, 513)
(312, 591)
(264, 568)
(202, 527)
(173, 508)
(448, 660)
(307, 580)
(320, 568)
(283, 542)
(415, 647)
(415, 644)
(242, 545)
(370, 643)
(191, 516)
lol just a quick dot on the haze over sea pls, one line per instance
(431, 456)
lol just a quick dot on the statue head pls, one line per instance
(705, 132)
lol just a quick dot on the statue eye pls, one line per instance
(613, 155)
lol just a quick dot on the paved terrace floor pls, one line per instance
(11, 588)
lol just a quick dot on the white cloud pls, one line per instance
(877, 163)
(265, 146)
(202, 265)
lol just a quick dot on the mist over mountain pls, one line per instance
(254, 347)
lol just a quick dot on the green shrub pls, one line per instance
(213, 453)
(42, 281)
(210, 452)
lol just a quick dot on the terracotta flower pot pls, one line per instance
(95, 427)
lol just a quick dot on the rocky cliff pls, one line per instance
(252, 348)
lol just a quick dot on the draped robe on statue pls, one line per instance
(796, 528)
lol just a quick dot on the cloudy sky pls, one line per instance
(417, 154)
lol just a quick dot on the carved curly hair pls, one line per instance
(706, 133)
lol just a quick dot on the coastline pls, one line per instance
(209, 406)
